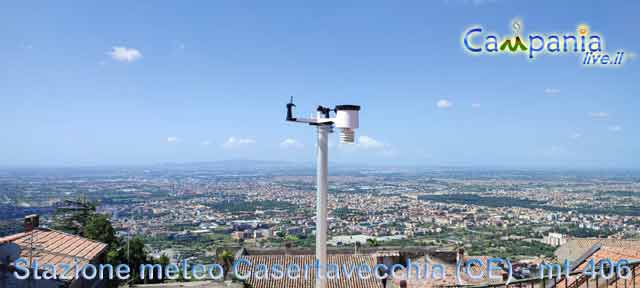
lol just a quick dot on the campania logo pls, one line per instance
(589, 45)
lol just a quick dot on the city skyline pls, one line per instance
(96, 84)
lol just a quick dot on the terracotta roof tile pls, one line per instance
(55, 247)
(450, 277)
(574, 248)
(354, 281)
(615, 251)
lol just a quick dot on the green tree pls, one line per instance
(164, 260)
(99, 228)
(73, 216)
(291, 238)
(134, 255)
(226, 258)
(80, 217)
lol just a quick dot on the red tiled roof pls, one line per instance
(55, 247)
(450, 277)
(354, 281)
(615, 254)
(576, 247)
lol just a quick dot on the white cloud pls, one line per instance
(205, 143)
(172, 139)
(615, 128)
(576, 135)
(125, 54)
(444, 104)
(234, 142)
(552, 91)
(599, 115)
(368, 143)
(363, 143)
(291, 143)
(475, 105)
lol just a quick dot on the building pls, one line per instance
(194, 284)
(301, 261)
(574, 248)
(555, 239)
(449, 280)
(47, 247)
(241, 235)
(294, 231)
(371, 256)
(612, 250)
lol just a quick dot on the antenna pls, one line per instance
(347, 120)
(290, 106)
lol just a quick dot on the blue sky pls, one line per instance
(208, 80)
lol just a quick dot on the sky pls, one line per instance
(143, 82)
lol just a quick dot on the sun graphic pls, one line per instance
(583, 29)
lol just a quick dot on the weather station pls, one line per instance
(346, 119)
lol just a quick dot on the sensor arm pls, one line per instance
(312, 121)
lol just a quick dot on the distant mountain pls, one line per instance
(239, 164)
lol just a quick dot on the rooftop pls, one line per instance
(54, 247)
(301, 260)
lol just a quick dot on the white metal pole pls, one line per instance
(321, 213)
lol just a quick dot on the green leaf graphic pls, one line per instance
(513, 48)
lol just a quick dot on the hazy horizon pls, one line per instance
(311, 165)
